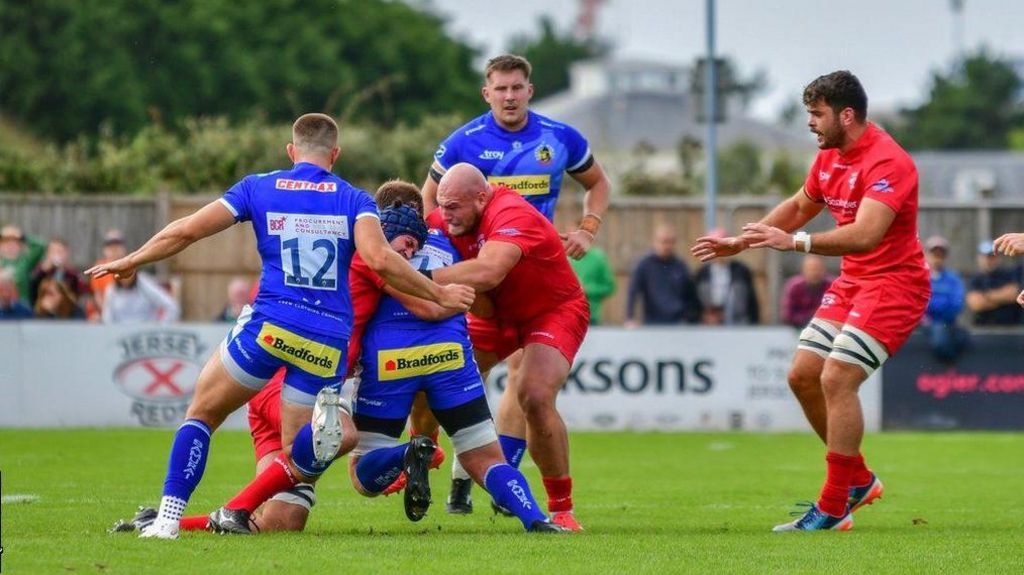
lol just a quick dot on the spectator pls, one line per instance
(138, 298)
(663, 284)
(802, 294)
(947, 339)
(238, 298)
(11, 306)
(993, 290)
(726, 292)
(20, 253)
(56, 301)
(56, 264)
(113, 248)
(597, 279)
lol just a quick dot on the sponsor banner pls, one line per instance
(984, 389)
(685, 379)
(57, 374)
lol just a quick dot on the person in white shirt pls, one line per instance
(137, 299)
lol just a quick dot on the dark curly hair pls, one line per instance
(839, 90)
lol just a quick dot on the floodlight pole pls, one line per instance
(711, 142)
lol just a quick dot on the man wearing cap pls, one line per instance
(946, 338)
(993, 290)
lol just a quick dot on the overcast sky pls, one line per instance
(892, 45)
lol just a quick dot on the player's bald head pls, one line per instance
(462, 181)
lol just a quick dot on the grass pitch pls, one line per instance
(651, 503)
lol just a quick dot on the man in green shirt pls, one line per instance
(20, 254)
(597, 279)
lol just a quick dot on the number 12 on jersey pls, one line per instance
(309, 248)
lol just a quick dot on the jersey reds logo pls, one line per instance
(283, 184)
(544, 154)
(308, 355)
(525, 185)
(406, 362)
(853, 180)
(158, 371)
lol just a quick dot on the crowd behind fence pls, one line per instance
(201, 275)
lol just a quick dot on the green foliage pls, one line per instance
(210, 154)
(551, 53)
(977, 106)
(71, 67)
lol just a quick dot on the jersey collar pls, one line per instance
(863, 142)
(531, 120)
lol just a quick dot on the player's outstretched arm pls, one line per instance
(429, 189)
(486, 271)
(373, 248)
(176, 236)
(863, 235)
(595, 204)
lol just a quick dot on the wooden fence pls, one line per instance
(203, 271)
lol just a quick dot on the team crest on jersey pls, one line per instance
(853, 180)
(544, 154)
(406, 362)
(306, 354)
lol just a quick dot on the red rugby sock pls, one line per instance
(273, 480)
(194, 522)
(835, 494)
(861, 474)
(559, 491)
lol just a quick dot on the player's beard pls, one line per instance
(831, 136)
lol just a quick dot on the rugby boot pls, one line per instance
(160, 530)
(399, 483)
(815, 519)
(234, 521)
(417, 464)
(143, 518)
(459, 500)
(547, 527)
(499, 510)
(866, 494)
(567, 520)
(327, 429)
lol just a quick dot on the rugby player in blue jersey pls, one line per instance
(308, 223)
(529, 153)
(401, 355)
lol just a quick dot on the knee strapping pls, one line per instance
(818, 337)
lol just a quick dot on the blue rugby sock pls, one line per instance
(303, 456)
(380, 467)
(184, 468)
(514, 449)
(509, 488)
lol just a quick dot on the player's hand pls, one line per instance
(577, 243)
(121, 268)
(758, 235)
(456, 296)
(708, 248)
(1020, 299)
(1010, 244)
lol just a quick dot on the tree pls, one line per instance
(976, 106)
(551, 54)
(71, 67)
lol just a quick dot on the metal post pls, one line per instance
(711, 144)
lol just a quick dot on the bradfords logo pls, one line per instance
(306, 354)
(525, 185)
(420, 360)
(158, 370)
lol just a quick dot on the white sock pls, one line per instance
(171, 509)
(457, 471)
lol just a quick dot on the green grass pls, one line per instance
(651, 503)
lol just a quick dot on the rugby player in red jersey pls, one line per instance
(515, 255)
(869, 184)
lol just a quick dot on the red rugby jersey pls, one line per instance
(543, 279)
(877, 168)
